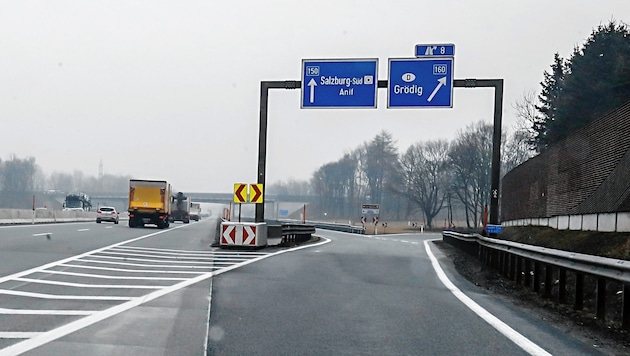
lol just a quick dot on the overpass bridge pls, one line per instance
(276, 206)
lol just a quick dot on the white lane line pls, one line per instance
(83, 285)
(71, 327)
(109, 227)
(43, 234)
(72, 258)
(83, 230)
(126, 270)
(17, 335)
(182, 262)
(45, 312)
(60, 297)
(141, 265)
(521, 341)
(114, 277)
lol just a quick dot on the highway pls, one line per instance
(87, 288)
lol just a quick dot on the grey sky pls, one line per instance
(170, 89)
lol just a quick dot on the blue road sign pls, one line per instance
(435, 50)
(339, 83)
(420, 82)
(494, 229)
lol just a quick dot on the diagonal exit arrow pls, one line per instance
(441, 83)
(312, 84)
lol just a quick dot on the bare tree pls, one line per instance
(527, 120)
(471, 163)
(63, 182)
(380, 166)
(425, 176)
(17, 181)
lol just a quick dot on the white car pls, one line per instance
(107, 213)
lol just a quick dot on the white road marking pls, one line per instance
(520, 340)
(69, 259)
(43, 234)
(114, 277)
(100, 255)
(17, 335)
(71, 327)
(45, 312)
(142, 265)
(60, 297)
(129, 270)
(83, 285)
(200, 257)
(184, 252)
(83, 230)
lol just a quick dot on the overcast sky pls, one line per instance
(170, 89)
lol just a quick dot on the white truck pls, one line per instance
(195, 211)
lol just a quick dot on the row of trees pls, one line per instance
(424, 180)
(21, 177)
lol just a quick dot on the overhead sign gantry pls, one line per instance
(424, 82)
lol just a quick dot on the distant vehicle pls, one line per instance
(77, 201)
(149, 203)
(107, 213)
(181, 208)
(195, 211)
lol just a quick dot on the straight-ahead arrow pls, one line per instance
(441, 83)
(312, 84)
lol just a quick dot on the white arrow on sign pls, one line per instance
(312, 85)
(441, 83)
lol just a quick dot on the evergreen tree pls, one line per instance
(595, 80)
(550, 100)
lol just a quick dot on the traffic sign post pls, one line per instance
(420, 82)
(339, 83)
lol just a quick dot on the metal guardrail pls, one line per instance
(297, 233)
(329, 226)
(524, 264)
(340, 227)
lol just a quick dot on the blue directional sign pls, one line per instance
(435, 50)
(420, 82)
(339, 83)
(494, 229)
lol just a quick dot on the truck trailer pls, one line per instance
(180, 208)
(77, 201)
(149, 203)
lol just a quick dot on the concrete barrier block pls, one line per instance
(589, 222)
(575, 222)
(623, 222)
(607, 222)
(563, 222)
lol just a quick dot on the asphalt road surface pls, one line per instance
(102, 289)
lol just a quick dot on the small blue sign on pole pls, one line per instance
(420, 82)
(494, 229)
(435, 50)
(339, 83)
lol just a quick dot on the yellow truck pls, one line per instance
(149, 203)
